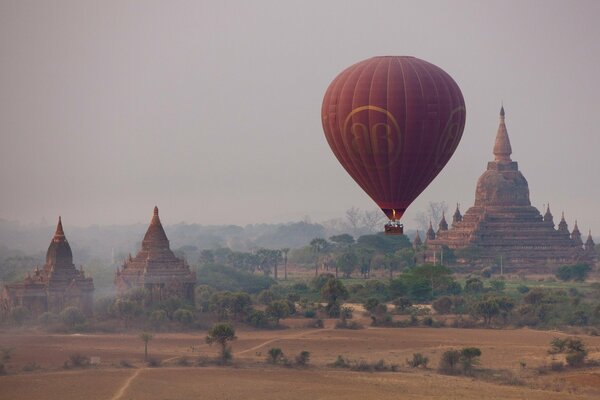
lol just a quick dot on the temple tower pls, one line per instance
(156, 269)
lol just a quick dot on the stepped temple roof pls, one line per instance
(57, 285)
(156, 268)
(503, 222)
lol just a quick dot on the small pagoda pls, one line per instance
(156, 269)
(503, 223)
(57, 285)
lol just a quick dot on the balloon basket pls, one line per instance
(394, 228)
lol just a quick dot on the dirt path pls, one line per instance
(296, 336)
(126, 384)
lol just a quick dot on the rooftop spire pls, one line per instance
(502, 149)
(59, 229)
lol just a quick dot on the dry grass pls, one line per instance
(500, 374)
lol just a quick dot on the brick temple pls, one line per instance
(156, 269)
(503, 223)
(56, 286)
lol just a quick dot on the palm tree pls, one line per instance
(285, 251)
(146, 337)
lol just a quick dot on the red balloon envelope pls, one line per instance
(393, 123)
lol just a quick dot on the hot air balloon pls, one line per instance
(393, 123)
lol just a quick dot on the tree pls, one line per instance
(469, 356)
(364, 261)
(438, 276)
(206, 257)
(343, 240)
(126, 310)
(277, 310)
(347, 262)
(318, 245)
(72, 316)
(285, 252)
(183, 316)
(473, 286)
(487, 308)
(269, 260)
(449, 361)
(578, 272)
(146, 337)
(333, 292)
(222, 334)
(442, 305)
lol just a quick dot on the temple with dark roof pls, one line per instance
(504, 224)
(56, 286)
(156, 269)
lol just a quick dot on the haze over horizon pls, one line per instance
(211, 110)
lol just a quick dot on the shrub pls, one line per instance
(125, 364)
(302, 358)
(6, 353)
(158, 318)
(2, 369)
(20, 315)
(47, 318)
(557, 366)
(311, 313)
(77, 360)
(258, 319)
(522, 289)
(274, 355)
(449, 362)
(183, 362)
(154, 362)
(72, 317)
(183, 316)
(402, 304)
(418, 360)
(340, 362)
(278, 309)
(371, 304)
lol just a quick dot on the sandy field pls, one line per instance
(250, 377)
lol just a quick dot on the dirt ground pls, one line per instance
(503, 353)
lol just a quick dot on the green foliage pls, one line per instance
(202, 296)
(469, 357)
(449, 361)
(183, 316)
(371, 304)
(158, 318)
(473, 286)
(222, 334)
(343, 239)
(72, 316)
(258, 319)
(274, 355)
(523, 289)
(347, 262)
(302, 358)
(267, 296)
(385, 244)
(146, 337)
(318, 282)
(333, 292)
(574, 348)
(222, 277)
(418, 360)
(277, 310)
(497, 285)
(578, 272)
(402, 304)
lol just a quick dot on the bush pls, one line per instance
(72, 317)
(183, 316)
(340, 362)
(578, 272)
(402, 304)
(2, 369)
(258, 319)
(302, 358)
(371, 304)
(153, 362)
(449, 362)
(125, 364)
(77, 360)
(311, 313)
(6, 353)
(20, 315)
(418, 360)
(47, 318)
(158, 318)
(274, 355)
(522, 289)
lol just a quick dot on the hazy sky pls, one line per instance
(211, 109)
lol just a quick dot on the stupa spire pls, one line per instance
(502, 148)
(59, 234)
(589, 243)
